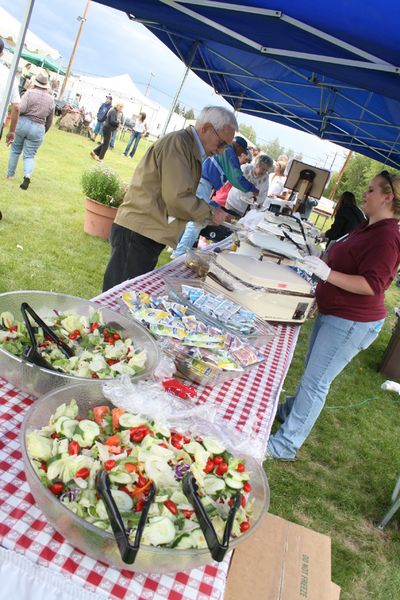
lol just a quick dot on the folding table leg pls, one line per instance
(394, 508)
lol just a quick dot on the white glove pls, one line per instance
(316, 266)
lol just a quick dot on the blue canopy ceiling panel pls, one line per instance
(330, 69)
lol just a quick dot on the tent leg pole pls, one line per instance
(180, 86)
(13, 69)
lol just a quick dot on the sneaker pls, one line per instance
(25, 184)
(93, 155)
(269, 456)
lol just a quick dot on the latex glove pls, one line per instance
(316, 266)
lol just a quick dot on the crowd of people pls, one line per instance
(205, 174)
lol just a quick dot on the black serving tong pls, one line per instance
(217, 549)
(127, 550)
(31, 352)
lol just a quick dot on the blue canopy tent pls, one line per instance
(331, 69)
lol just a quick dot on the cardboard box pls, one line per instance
(282, 561)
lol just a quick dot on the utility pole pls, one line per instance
(341, 173)
(71, 60)
(147, 92)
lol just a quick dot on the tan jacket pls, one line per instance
(161, 198)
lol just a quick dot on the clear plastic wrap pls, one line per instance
(149, 399)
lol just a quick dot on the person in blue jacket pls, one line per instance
(101, 117)
(216, 171)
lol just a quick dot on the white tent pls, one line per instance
(93, 91)
(9, 30)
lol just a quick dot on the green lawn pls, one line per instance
(342, 481)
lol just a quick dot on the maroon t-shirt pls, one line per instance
(372, 251)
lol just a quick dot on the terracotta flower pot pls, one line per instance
(98, 218)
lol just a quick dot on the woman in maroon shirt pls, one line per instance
(350, 298)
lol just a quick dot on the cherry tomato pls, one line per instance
(171, 506)
(240, 468)
(243, 501)
(247, 487)
(245, 526)
(94, 326)
(109, 464)
(218, 460)
(73, 448)
(114, 449)
(94, 376)
(187, 513)
(82, 473)
(116, 336)
(55, 436)
(56, 488)
(209, 466)
(43, 467)
(137, 437)
(221, 469)
(139, 506)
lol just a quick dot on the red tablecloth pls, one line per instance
(23, 527)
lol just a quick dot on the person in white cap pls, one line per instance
(36, 117)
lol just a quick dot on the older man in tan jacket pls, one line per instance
(162, 198)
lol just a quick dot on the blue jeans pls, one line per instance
(134, 139)
(334, 342)
(98, 128)
(28, 138)
(192, 229)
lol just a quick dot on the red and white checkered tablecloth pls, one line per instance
(23, 528)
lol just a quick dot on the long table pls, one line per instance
(26, 535)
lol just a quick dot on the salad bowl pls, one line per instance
(38, 380)
(101, 544)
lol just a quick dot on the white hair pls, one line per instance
(218, 116)
(263, 159)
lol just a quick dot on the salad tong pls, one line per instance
(127, 550)
(31, 352)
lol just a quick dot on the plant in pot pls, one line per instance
(104, 191)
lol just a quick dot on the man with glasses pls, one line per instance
(216, 171)
(162, 197)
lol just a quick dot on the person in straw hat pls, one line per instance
(36, 117)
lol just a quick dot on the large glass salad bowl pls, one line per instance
(37, 380)
(97, 542)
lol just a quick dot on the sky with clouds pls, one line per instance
(111, 44)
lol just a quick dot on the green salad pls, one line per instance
(99, 350)
(68, 453)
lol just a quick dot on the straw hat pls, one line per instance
(41, 80)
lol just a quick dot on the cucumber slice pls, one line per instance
(129, 420)
(184, 542)
(122, 500)
(160, 531)
(58, 424)
(213, 484)
(68, 427)
(87, 429)
(235, 484)
(120, 477)
(213, 446)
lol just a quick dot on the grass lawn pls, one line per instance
(342, 481)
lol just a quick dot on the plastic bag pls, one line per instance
(391, 386)
(149, 399)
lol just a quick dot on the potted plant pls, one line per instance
(104, 191)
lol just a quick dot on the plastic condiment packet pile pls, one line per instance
(187, 336)
(218, 306)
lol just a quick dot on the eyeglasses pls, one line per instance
(222, 143)
(388, 177)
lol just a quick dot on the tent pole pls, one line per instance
(13, 69)
(71, 59)
(178, 91)
(341, 173)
